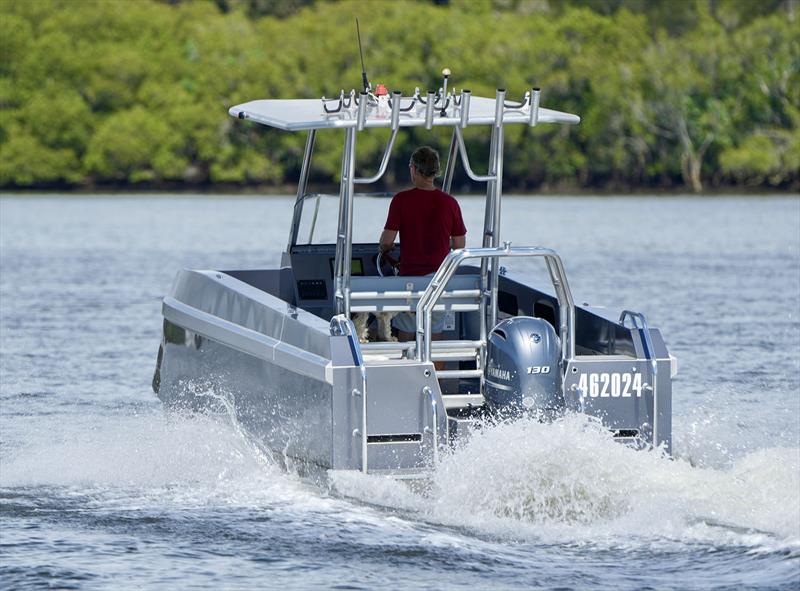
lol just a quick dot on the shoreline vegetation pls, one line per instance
(676, 97)
(255, 192)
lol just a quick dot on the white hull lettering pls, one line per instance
(610, 385)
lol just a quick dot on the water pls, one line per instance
(100, 489)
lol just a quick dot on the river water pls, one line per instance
(100, 489)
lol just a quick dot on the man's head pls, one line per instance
(426, 162)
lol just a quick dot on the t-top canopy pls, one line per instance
(303, 114)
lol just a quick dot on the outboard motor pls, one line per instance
(523, 374)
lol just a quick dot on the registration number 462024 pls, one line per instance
(610, 385)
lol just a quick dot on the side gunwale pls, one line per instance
(231, 312)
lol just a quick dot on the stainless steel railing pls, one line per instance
(640, 324)
(448, 268)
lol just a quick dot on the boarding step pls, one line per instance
(460, 428)
(401, 474)
(462, 401)
(443, 374)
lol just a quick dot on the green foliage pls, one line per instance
(763, 158)
(24, 161)
(696, 93)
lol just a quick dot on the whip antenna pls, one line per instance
(364, 78)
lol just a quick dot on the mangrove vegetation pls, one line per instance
(687, 95)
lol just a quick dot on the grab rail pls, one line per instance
(410, 295)
(341, 325)
(478, 178)
(640, 324)
(384, 163)
(427, 391)
(448, 269)
(401, 293)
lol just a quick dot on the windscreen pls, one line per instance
(320, 216)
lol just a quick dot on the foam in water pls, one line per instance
(562, 482)
(570, 477)
(153, 459)
(569, 481)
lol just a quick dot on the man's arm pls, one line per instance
(387, 240)
(458, 242)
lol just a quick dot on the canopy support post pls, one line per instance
(344, 246)
(491, 224)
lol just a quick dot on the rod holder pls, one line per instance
(361, 117)
(396, 98)
(534, 114)
(465, 96)
(429, 109)
(500, 98)
(445, 99)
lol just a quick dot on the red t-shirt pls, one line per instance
(426, 219)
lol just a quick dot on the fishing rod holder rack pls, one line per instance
(359, 103)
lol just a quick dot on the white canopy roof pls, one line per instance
(302, 114)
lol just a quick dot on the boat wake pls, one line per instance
(564, 482)
(569, 481)
(185, 460)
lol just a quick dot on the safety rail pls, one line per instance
(440, 351)
(426, 304)
(402, 346)
(640, 324)
(428, 392)
(401, 293)
(341, 325)
(384, 161)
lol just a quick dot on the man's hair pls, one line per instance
(426, 160)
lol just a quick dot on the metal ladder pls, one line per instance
(402, 294)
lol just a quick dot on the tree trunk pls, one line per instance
(691, 159)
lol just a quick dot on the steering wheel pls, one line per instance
(386, 265)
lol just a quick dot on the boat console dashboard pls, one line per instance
(313, 269)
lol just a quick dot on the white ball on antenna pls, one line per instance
(446, 72)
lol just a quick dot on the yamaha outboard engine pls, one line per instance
(522, 374)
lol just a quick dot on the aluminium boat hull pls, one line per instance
(298, 386)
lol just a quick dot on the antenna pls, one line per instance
(364, 78)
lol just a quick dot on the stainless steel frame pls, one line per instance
(494, 179)
(640, 324)
(384, 162)
(344, 245)
(448, 269)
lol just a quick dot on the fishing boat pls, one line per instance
(280, 344)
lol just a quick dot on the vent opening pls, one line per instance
(398, 438)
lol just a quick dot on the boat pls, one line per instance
(280, 344)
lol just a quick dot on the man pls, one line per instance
(430, 224)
